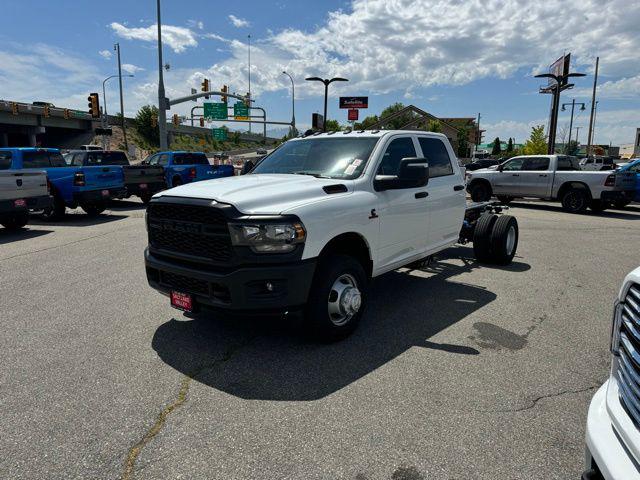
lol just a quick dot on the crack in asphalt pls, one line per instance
(535, 401)
(181, 399)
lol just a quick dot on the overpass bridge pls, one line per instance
(28, 125)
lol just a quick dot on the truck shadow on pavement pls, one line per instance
(78, 220)
(268, 360)
(629, 213)
(8, 236)
(126, 205)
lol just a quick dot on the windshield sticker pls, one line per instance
(356, 162)
(350, 169)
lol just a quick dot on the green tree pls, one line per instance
(434, 126)
(496, 147)
(236, 138)
(366, 122)
(144, 125)
(537, 143)
(332, 126)
(462, 142)
(510, 145)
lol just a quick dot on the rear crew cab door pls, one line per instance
(447, 198)
(535, 177)
(403, 213)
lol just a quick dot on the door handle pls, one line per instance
(542, 175)
(457, 188)
(515, 174)
(422, 195)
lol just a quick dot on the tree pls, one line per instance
(434, 126)
(537, 143)
(462, 142)
(398, 122)
(366, 122)
(236, 138)
(144, 125)
(510, 145)
(332, 126)
(496, 147)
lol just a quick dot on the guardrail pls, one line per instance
(30, 109)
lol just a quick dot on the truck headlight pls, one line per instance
(616, 324)
(268, 237)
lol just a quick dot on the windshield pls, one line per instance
(322, 157)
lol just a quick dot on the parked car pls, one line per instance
(554, 178)
(20, 191)
(140, 180)
(187, 167)
(597, 163)
(313, 222)
(632, 167)
(612, 433)
(87, 187)
(482, 163)
(262, 151)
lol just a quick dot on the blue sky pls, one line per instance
(451, 59)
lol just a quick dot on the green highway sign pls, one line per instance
(215, 111)
(219, 133)
(240, 111)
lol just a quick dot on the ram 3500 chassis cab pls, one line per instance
(313, 222)
(551, 177)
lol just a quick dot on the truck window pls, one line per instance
(634, 168)
(5, 160)
(398, 149)
(107, 158)
(536, 164)
(163, 159)
(190, 159)
(514, 164)
(36, 159)
(437, 155)
(56, 159)
(568, 164)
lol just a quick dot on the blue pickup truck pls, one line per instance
(632, 166)
(187, 167)
(87, 187)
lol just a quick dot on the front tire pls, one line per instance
(480, 192)
(575, 200)
(16, 222)
(337, 297)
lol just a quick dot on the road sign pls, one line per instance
(215, 111)
(352, 114)
(219, 133)
(240, 111)
(354, 102)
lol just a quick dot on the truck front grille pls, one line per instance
(194, 230)
(629, 364)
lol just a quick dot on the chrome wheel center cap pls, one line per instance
(351, 300)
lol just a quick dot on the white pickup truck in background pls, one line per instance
(21, 191)
(314, 222)
(551, 177)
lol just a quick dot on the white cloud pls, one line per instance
(238, 22)
(178, 38)
(199, 24)
(106, 54)
(130, 68)
(622, 89)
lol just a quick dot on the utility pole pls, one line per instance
(116, 47)
(479, 133)
(162, 101)
(293, 105)
(593, 107)
(249, 52)
(577, 133)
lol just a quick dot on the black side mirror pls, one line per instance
(247, 167)
(412, 173)
(501, 167)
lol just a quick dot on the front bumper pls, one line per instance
(151, 188)
(242, 290)
(32, 203)
(95, 196)
(606, 455)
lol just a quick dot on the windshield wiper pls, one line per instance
(317, 175)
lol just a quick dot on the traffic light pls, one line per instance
(202, 121)
(66, 114)
(94, 105)
(176, 119)
(14, 108)
(205, 86)
(154, 121)
(46, 111)
(247, 99)
(224, 90)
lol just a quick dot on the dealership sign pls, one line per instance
(354, 102)
(352, 114)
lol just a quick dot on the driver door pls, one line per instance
(403, 213)
(508, 180)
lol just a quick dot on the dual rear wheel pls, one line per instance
(495, 238)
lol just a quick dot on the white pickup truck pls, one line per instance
(613, 433)
(313, 222)
(551, 177)
(20, 191)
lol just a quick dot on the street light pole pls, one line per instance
(326, 83)
(293, 104)
(593, 106)
(249, 61)
(116, 47)
(104, 95)
(573, 105)
(162, 101)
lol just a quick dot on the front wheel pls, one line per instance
(16, 222)
(337, 297)
(575, 200)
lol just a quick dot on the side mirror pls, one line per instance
(247, 167)
(413, 172)
(501, 167)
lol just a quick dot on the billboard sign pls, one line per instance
(354, 102)
(560, 68)
(352, 114)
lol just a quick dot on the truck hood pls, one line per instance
(261, 194)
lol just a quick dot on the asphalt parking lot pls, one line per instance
(458, 370)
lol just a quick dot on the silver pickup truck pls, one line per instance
(21, 191)
(551, 177)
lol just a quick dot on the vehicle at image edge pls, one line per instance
(613, 433)
(187, 167)
(87, 187)
(20, 191)
(597, 163)
(313, 222)
(551, 177)
(482, 163)
(633, 167)
(140, 180)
